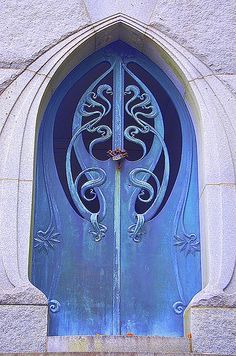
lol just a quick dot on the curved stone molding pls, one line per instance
(25, 294)
(214, 299)
(209, 100)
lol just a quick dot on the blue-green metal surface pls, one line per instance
(116, 241)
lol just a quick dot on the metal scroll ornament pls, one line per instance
(54, 305)
(140, 107)
(92, 108)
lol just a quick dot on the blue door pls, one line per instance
(116, 228)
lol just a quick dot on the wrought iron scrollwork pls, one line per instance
(143, 106)
(93, 106)
(137, 230)
(148, 111)
(88, 193)
(99, 109)
(99, 230)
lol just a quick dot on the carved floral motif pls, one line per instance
(46, 239)
(188, 243)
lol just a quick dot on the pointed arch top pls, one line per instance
(24, 101)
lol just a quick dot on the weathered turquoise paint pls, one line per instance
(117, 253)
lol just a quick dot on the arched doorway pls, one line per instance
(116, 226)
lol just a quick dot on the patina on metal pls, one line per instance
(116, 228)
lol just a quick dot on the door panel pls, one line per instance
(116, 229)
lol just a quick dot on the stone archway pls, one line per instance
(23, 102)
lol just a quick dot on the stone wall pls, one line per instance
(194, 43)
(205, 28)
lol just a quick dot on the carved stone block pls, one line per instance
(23, 328)
(213, 330)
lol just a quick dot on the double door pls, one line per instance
(116, 235)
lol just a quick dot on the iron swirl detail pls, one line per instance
(54, 305)
(87, 188)
(96, 177)
(143, 106)
(92, 100)
(179, 307)
(145, 103)
(93, 105)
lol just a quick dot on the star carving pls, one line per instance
(187, 243)
(46, 239)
